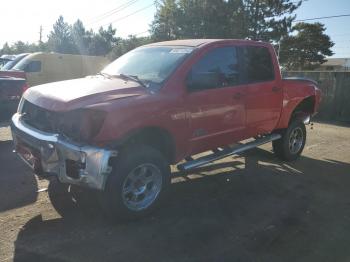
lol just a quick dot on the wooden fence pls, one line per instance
(335, 87)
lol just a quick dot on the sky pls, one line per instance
(21, 19)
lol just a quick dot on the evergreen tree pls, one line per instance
(81, 38)
(307, 49)
(252, 19)
(103, 42)
(6, 50)
(60, 38)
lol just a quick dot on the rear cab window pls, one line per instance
(256, 64)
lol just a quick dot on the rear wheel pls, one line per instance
(137, 183)
(292, 143)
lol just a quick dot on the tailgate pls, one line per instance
(17, 74)
(11, 88)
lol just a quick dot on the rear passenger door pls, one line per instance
(262, 89)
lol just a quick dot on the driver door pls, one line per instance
(215, 100)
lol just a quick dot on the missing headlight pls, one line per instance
(81, 125)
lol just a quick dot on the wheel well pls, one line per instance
(304, 108)
(155, 137)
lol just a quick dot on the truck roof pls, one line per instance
(60, 54)
(201, 42)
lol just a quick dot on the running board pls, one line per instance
(201, 161)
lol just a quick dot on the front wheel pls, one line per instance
(292, 143)
(137, 183)
(69, 200)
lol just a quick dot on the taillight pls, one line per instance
(25, 87)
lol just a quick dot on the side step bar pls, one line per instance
(201, 161)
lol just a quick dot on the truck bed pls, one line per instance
(11, 89)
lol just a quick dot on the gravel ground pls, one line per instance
(246, 208)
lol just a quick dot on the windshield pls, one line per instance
(151, 65)
(10, 64)
(21, 64)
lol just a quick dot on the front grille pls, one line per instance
(40, 118)
(64, 123)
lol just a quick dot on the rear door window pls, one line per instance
(257, 64)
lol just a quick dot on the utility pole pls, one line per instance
(40, 34)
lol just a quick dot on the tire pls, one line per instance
(70, 201)
(137, 183)
(61, 198)
(292, 143)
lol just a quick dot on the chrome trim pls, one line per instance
(141, 187)
(20, 105)
(55, 150)
(307, 120)
(227, 152)
(32, 131)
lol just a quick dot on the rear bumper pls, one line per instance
(51, 154)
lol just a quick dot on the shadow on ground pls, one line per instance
(260, 210)
(18, 185)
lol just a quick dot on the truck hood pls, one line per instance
(79, 93)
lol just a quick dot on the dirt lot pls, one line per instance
(247, 208)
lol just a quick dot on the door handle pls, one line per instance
(237, 96)
(276, 89)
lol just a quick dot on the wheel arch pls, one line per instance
(302, 109)
(156, 137)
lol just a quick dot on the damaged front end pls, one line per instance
(55, 144)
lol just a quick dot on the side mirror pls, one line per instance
(202, 81)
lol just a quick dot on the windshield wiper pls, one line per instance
(133, 78)
(104, 75)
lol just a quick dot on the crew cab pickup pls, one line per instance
(119, 131)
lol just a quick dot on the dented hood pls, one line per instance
(78, 93)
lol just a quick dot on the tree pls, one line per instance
(307, 49)
(268, 20)
(103, 42)
(125, 45)
(204, 19)
(72, 39)
(6, 50)
(22, 47)
(164, 25)
(60, 39)
(109, 35)
(251, 19)
(81, 38)
(192, 19)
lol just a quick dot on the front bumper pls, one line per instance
(51, 154)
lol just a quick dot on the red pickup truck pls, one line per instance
(119, 131)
